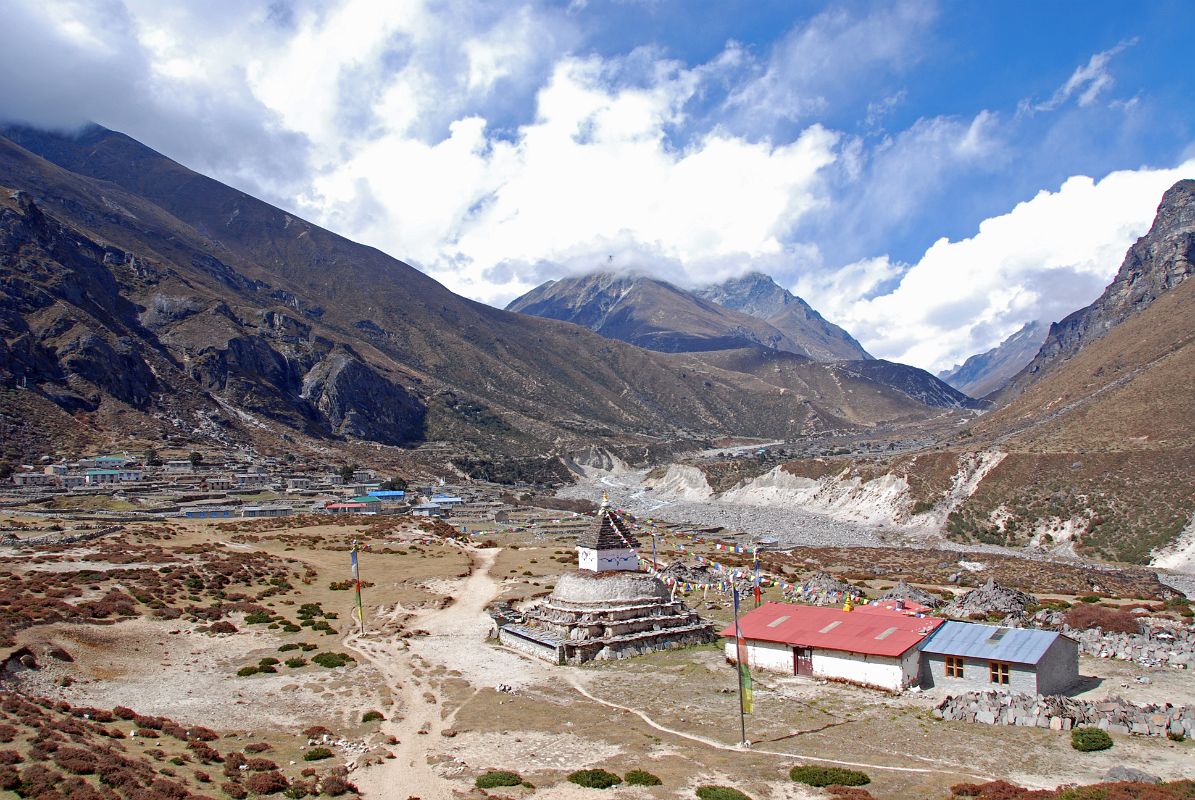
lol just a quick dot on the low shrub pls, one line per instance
(289, 646)
(258, 618)
(828, 776)
(335, 786)
(234, 790)
(496, 778)
(266, 783)
(720, 793)
(317, 754)
(1175, 736)
(223, 626)
(295, 663)
(267, 661)
(245, 672)
(639, 777)
(1088, 739)
(332, 660)
(371, 716)
(594, 778)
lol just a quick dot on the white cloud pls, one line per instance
(592, 176)
(1086, 82)
(1043, 259)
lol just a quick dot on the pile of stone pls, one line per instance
(903, 591)
(701, 574)
(1063, 713)
(1160, 644)
(991, 599)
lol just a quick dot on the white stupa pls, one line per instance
(608, 545)
(607, 608)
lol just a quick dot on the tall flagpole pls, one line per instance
(740, 652)
(357, 579)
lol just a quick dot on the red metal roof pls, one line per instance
(875, 632)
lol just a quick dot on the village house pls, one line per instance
(447, 500)
(297, 484)
(100, 477)
(965, 656)
(178, 466)
(266, 511)
(33, 479)
(207, 512)
(350, 508)
(875, 648)
(427, 510)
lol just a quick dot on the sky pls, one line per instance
(930, 176)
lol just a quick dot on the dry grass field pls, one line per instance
(144, 632)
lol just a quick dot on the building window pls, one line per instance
(954, 666)
(998, 672)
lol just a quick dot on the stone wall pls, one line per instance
(1159, 644)
(1063, 713)
(65, 537)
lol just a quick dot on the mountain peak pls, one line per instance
(758, 295)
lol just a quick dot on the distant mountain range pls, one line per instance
(147, 305)
(658, 315)
(982, 374)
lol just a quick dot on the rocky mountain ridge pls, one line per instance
(1158, 262)
(649, 313)
(988, 372)
(759, 296)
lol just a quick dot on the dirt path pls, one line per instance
(948, 769)
(415, 718)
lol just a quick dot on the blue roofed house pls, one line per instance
(965, 656)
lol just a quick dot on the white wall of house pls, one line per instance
(883, 672)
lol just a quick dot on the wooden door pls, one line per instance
(803, 661)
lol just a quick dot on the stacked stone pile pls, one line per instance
(989, 600)
(1063, 713)
(1160, 644)
(903, 591)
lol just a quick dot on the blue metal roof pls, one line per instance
(1018, 645)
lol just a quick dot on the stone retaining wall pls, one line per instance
(1158, 645)
(1063, 713)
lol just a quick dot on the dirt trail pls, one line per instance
(415, 717)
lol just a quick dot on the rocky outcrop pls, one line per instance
(1157, 263)
(1063, 713)
(358, 401)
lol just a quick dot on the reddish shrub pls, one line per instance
(36, 781)
(256, 747)
(10, 757)
(234, 790)
(75, 760)
(261, 765)
(336, 786)
(266, 783)
(1086, 616)
(124, 712)
(9, 778)
(147, 733)
(7, 733)
(316, 730)
(223, 626)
